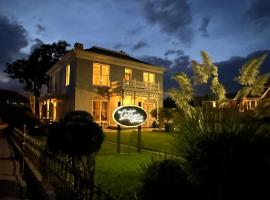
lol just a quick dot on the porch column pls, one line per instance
(134, 98)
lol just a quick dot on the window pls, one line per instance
(128, 74)
(100, 110)
(148, 77)
(67, 74)
(101, 74)
(96, 109)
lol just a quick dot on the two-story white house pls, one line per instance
(98, 81)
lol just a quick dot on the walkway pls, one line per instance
(12, 187)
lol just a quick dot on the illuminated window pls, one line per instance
(101, 74)
(148, 77)
(96, 110)
(128, 74)
(104, 111)
(67, 74)
(100, 110)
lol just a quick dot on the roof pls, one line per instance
(113, 53)
(12, 96)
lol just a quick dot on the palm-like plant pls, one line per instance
(225, 153)
(186, 93)
(202, 73)
(253, 83)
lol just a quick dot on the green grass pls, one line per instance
(152, 140)
(120, 174)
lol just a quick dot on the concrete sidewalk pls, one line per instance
(12, 186)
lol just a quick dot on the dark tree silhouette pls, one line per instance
(31, 72)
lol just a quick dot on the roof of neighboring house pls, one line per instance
(116, 54)
(12, 96)
(266, 89)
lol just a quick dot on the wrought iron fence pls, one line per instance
(69, 181)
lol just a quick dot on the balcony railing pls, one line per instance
(140, 85)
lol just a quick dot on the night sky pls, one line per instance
(163, 32)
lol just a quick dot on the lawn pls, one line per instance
(120, 174)
(152, 140)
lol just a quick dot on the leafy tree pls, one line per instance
(253, 83)
(31, 72)
(164, 115)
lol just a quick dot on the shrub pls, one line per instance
(76, 134)
(164, 180)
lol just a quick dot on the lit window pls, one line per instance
(104, 111)
(96, 110)
(100, 110)
(128, 74)
(148, 77)
(101, 74)
(67, 74)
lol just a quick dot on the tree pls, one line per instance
(253, 83)
(31, 72)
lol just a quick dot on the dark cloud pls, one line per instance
(229, 69)
(174, 52)
(13, 37)
(40, 28)
(135, 30)
(173, 16)
(154, 60)
(139, 45)
(259, 12)
(119, 46)
(37, 44)
(204, 25)
(179, 64)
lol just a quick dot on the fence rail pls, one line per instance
(69, 181)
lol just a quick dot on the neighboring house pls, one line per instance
(8, 97)
(99, 80)
(249, 103)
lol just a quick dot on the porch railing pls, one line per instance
(140, 85)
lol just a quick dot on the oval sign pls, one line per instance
(129, 116)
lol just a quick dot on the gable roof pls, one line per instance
(116, 54)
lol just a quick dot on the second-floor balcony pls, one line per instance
(134, 84)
